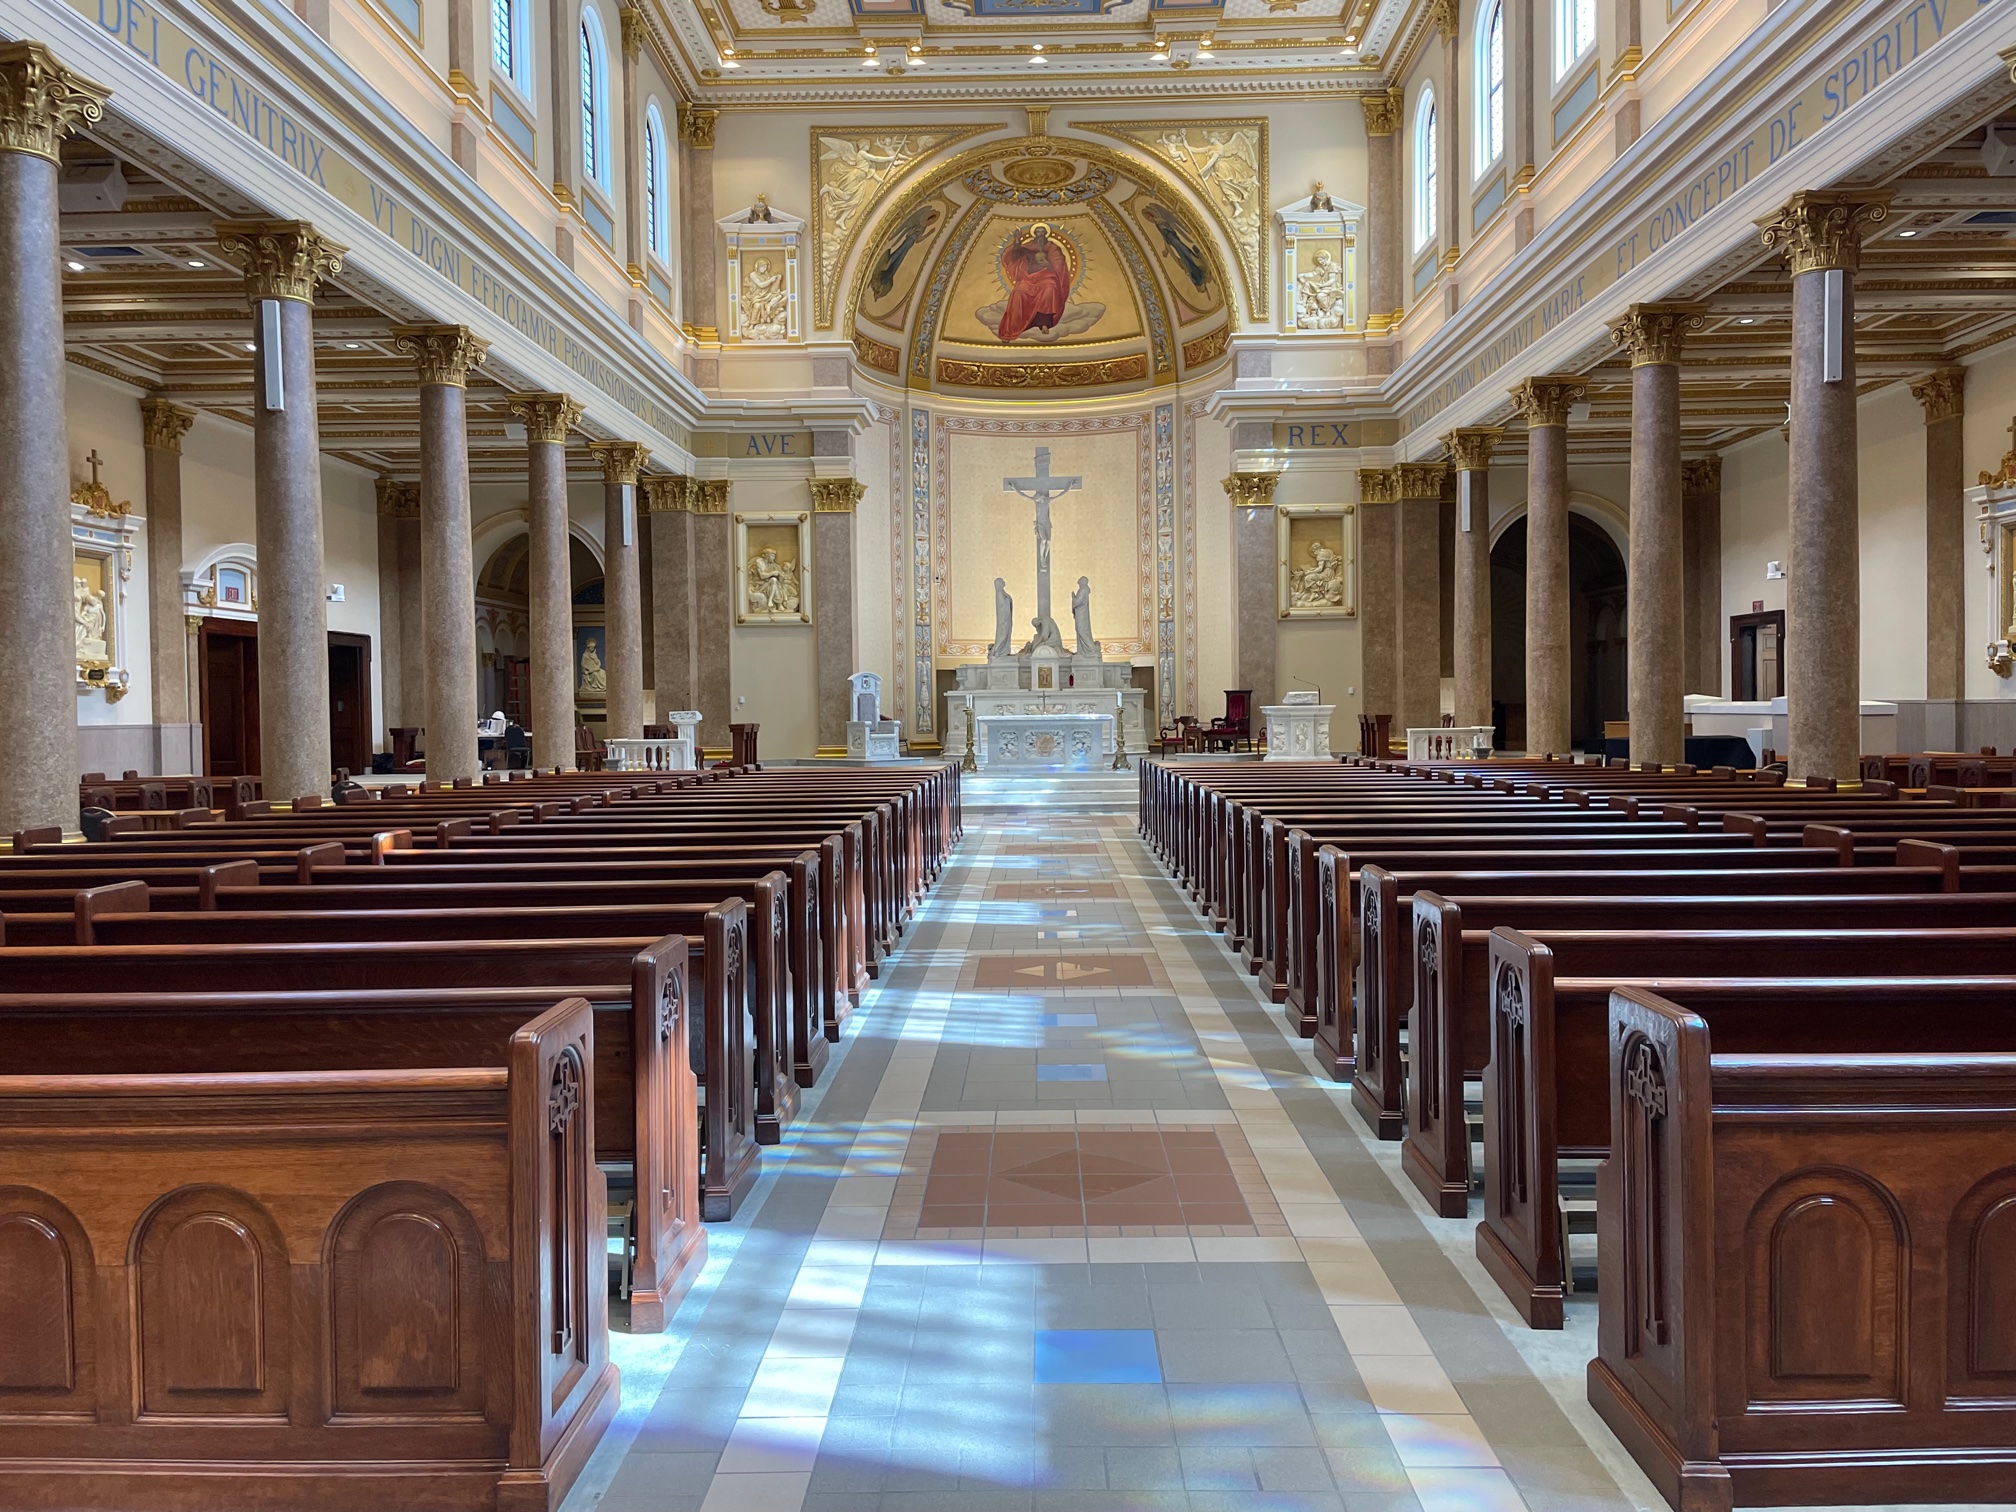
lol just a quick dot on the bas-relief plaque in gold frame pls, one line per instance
(1318, 557)
(92, 606)
(773, 569)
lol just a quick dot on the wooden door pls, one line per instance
(1757, 655)
(350, 721)
(229, 669)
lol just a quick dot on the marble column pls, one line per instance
(41, 102)
(1383, 227)
(1417, 576)
(1944, 395)
(402, 638)
(283, 261)
(713, 608)
(162, 427)
(696, 204)
(1470, 455)
(444, 356)
(834, 613)
(675, 674)
(1256, 608)
(1821, 234)
(548, 418)
(623, 607)
(1544, 404)
(1378, 593)
(1654, 334)
(1701, 504)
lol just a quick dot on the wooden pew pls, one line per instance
(1808, 1264)
(349, 1289)
(1448, 956)
(730, 1159)
(1543, 1094)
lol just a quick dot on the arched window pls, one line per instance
(1491, 86)
(594, 103)
(657, 199)
(1427, 171)
(1574, 33)
(510, 40)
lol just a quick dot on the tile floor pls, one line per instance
(1069, 1241)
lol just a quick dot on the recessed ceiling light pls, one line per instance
(868, 63)
(1036, 47)
(197, 262)
(1205, 52)
(1747, 320)
(727, 52)
(1907, 233)
(76, 267)
(1161, 57)
(915, 48)
(251, 346)
(353, 346)
(730, 63)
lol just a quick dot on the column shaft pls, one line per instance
(833, 613)
(1701, 509)
(1656, 648)
(38, 652)
(1254, 552)
(293, 615)
(549, 587)
(623, 610)
(409, 563)
(1823, 587)
(448, 590)
(1472, 572)
(1943, 395)
(162, 427)
(1548, 672)
(1378, 596)
(713, 614)
(675, 676)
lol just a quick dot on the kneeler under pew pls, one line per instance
(267, 1290)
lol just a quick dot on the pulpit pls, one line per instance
(1298, 728)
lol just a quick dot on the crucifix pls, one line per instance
(96, 462)
(1041, 488)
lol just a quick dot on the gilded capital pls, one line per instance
(1701, 476)
(1546, 401)
(1382, 112)
(1420, 480)
(282, 259)
(836, 495)
(622, 461)
(696, 126)
(1822, 229)
(633, 32)
(1655, 333)
(41, 101)
(1377, 485)
(1443, 14)
(1944, 394)
(547, 417)
(163, 425)
(1252, 490)
(667, 493)
(442, 353)
(1470, 449)
(398, 500)
(709, 496)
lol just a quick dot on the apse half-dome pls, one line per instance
(1039, 266)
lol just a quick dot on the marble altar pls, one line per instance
(1079, 741)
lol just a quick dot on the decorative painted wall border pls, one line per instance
(920, 554)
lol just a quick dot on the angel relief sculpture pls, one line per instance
(1319, 582)
(773, 584)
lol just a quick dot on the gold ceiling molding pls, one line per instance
(282, 259)
(622, 461)
(1043, 375)
(1225, 162)
(854, 168)
(879, 355)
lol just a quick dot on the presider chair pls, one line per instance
(1235, 727)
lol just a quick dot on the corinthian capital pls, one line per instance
(1377, 485)
(1546, 401)
(836, 495)
(547, 417)
(1820, 229)
(1252, 490)
(1470, 448)
(163, 425)
(1420, 480)
(397, 499)
(709, 496)
(622, 461)
(667, 493)
(1382, 112)
(442, 353)
(282, 259)
(41, 101)
(1701, 476)
(1944, 394)
(1656, 332)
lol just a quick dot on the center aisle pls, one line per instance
(1072, 1226)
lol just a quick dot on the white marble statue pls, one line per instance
(594, 676)
(93, 648)
(773, 584)
(1319, 295)
(765, 303)
(1081, 618)
(1004, 622)
(1047, 634)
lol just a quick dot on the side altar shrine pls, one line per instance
(1044, 705)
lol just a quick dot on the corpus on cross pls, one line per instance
(1041, 487)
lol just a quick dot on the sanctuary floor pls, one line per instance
(1071, 1225)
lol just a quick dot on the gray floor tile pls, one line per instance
(1223, 1354)
(1214, 1467)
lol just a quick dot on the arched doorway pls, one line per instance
(504, 623)
(1597, 620)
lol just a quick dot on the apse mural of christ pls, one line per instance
(1039, 267)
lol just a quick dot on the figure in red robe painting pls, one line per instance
(1039, 277)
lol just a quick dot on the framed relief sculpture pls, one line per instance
(102, 535)
(1318, 552)
(773, 569)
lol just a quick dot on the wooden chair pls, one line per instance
(589, 753)
(1235, 727)
(1178, 737)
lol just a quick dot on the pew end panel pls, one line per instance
(1519, 1238)
(1379, 1077)
(732, 1159)
(1436, 1152)
(1336, 1040)
(671, 1240)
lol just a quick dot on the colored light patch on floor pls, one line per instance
(1097, 1357)
(1066, 1072)
(1053, 973)
(1068, 1020)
